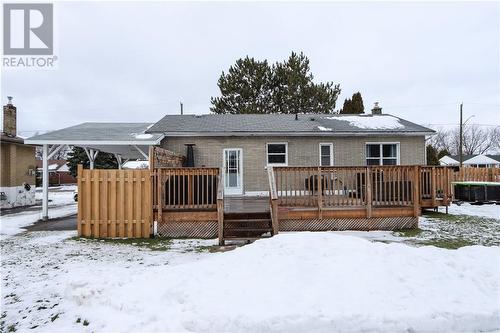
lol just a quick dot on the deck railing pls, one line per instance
(337, 187)
(435, 183)
(185, 188)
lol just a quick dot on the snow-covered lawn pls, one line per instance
(61, 203)
(293, 282)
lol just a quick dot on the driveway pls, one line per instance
(63, 223)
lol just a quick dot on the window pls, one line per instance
(382, 153)
(277, 153)
(326, 154)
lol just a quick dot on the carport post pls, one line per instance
(45, 182)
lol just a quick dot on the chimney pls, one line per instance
(376, 109)
(9, 118)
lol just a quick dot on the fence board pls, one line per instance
(114, 203)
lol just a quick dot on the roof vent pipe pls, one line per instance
(376, 109)
(296, 116)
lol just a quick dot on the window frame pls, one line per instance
(381, 157)
(286, 153)
(328, 144)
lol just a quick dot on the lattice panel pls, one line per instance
(187, 229)
(383, 223)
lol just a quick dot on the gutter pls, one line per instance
(295, 134)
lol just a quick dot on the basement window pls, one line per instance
(382, 153)
(277, 153)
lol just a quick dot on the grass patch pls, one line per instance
(153, 244)
(453, 231)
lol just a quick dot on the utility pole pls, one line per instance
(182, 108)
(460, 152)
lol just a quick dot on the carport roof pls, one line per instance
(91, 134)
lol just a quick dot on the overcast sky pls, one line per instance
(135, 61)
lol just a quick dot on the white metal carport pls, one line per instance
(127, 141)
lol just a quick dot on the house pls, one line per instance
(17, 182)
(58, 173)
(244, 145)
(477, 161)
(208, 174)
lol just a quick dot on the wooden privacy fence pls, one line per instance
(114, 203)
(477, 174)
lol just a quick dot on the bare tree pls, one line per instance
(441, 140)
(476, 140)
(495, 139)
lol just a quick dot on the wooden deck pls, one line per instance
(190, 202)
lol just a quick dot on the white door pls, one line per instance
(233, 180)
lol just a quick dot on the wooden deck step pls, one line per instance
(247, 225)
(244, 238)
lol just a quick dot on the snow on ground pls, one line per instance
(294, 282)
(61, 204)
(48, 276)
(489, 211)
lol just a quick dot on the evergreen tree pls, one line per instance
(442, 153)
(254, 87)
(244, 89)
(78, 156)
(353, 105)
(432, 155)
(347, 107)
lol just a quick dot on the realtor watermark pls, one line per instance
(28, 36)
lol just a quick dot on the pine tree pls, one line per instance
(78, 156)
(244, 88)
(353, 105)
(432, 155)
(285, 87)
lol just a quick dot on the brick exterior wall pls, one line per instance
(302, 151)
(16, 161)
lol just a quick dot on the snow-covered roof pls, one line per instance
(447, 160)
(371, 122)
(286, 124)
(481, 159)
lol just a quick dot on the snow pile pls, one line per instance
(371, 122)
(321, 128)
(136, 164)
(294, 282)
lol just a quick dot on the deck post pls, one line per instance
(319, 187)
(368, 191)
(433, 186)
(416, 191)
(273, 199)
(79, 175)
(220, 209)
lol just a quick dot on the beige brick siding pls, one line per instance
(302, 151)
(16, 161)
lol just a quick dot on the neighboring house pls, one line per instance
(245, 145)
(477, 161)
(17, 183)
(59, 173)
